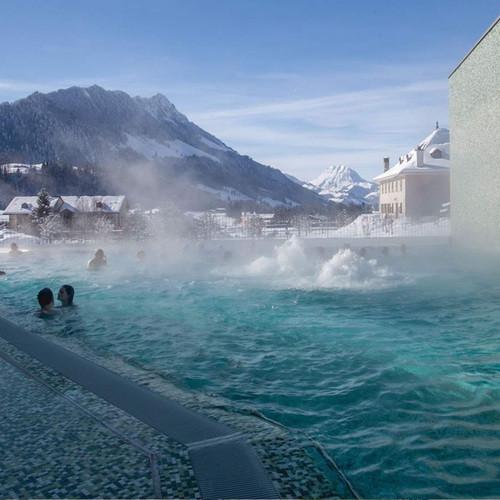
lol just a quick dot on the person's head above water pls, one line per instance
(65, 295)
(97, 261)
(45, 299)
(14, 249)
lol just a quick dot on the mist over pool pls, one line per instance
(390, 360)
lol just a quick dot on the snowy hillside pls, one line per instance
(342, 184)
(144, 145)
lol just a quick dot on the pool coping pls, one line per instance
(211, 445)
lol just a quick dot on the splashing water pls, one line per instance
(347, 269)
(292, 266)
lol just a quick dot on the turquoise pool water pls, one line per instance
(392, 362)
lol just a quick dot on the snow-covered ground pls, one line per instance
(376, 226)
(223, 227)
(7, 236)
(369, 226)
(149, 147)
(365, 226)
(21, 168)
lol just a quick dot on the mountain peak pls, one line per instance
(337, 177)
(342, 184)
(110, 129)
(161, 108)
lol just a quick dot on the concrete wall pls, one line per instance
(475, 144)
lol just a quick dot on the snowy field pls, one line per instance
(365, 226)
(370, 227)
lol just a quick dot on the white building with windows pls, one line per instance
(419, 184)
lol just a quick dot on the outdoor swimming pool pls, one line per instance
(393, 364)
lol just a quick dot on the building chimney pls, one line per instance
(420, 157)
(386, 163)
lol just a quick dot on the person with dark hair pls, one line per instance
(99, 260)
(14, 250)
(65, 295)
(46, 300)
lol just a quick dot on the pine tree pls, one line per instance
(42, 210)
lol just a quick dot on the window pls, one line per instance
(436, 153)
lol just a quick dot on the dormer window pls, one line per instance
(99, 205)
(25, 206)
(436, 153)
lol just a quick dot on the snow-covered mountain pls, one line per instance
(144, 145)
(342, 184)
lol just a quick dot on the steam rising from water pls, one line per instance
(293, 263)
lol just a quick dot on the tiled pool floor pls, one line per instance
(59, 440)
(52, 449)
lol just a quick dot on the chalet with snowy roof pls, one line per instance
(75, 211)
(419, 184)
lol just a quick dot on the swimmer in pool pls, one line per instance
(99, 260)
(65, 295)
(2, 274)
(46, 300)
(14, 250)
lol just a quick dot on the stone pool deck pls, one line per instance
(79, 424)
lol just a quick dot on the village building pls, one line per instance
(475, 134)
(77, 212)
(419, 184)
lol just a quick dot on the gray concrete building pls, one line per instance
(475, 143)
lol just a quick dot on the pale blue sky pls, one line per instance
(299, 85)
